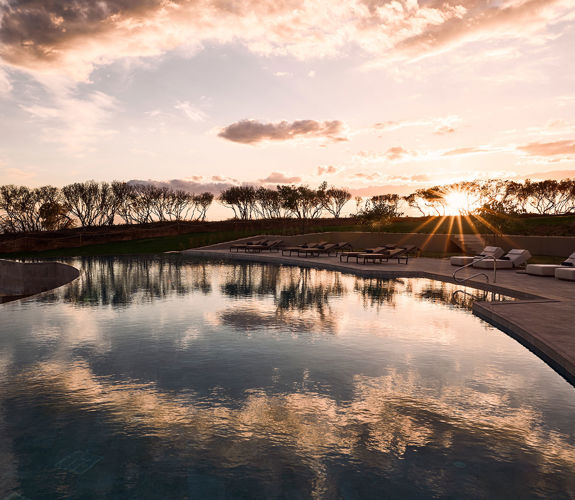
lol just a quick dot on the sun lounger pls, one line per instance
(355, 255)
(513, 259)
(549, 269)
(399, 253)
(326, 249)
(464, 260)
(269, 246)
(242, 246)
(303, 247)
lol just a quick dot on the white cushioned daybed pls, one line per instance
(566, 271)
(549, 269)
(514, 258)
(463, 260)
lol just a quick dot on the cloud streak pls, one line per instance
(254, 132)
(546, 149)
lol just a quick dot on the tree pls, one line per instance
(241, 199)
(427, 201)
(335, 199)
(203, 202)
(36, 209)
(380, 209)
(92, 203)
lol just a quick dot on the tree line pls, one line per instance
(93, 203)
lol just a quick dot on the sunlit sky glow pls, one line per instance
(374, 95)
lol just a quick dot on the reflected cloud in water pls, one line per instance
(260, 380)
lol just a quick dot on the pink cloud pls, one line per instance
(557, 148)
(279, 178)
(253, 132)
(330, 169)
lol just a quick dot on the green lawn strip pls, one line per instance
(551, 225)
(166, 243)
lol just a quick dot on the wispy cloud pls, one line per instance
(440, 125)
(190, 111)
(75, 123)
(5, 84)
(253, 132)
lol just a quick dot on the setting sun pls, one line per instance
(457, 203)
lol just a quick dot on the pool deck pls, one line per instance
(542, 318)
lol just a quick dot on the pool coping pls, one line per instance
(547, 342)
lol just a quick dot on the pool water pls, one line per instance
(175, 379)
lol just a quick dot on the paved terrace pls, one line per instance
(542, 319)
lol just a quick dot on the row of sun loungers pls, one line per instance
(344, 249)
(258, 246)
(380, 254)
(317, 249)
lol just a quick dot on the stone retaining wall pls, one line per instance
(558, 246)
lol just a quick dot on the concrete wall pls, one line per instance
(427, 242)
(558, 246)
(27, 279)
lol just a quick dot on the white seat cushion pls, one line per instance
(565, 273)
(541, 269)
(461, 260)
(488, 264)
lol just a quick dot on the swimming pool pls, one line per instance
(168, 378)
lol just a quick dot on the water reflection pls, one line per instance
(106, 281)
(377, 291)
(184, 379)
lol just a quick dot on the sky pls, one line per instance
(377, 96)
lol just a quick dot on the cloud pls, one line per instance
(190, 111)
(553, 174)
(279, 178)
(196, 185)
(5, 84)
(397, 153)
(253, 132)
(327, 170)
(443, 130)
(75, 36)
(16, 175)
(546, 149)
(441, 125)
(75, 123)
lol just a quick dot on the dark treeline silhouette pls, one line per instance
(301, 202)
(91, 203)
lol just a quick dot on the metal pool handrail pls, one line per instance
(477, 274)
